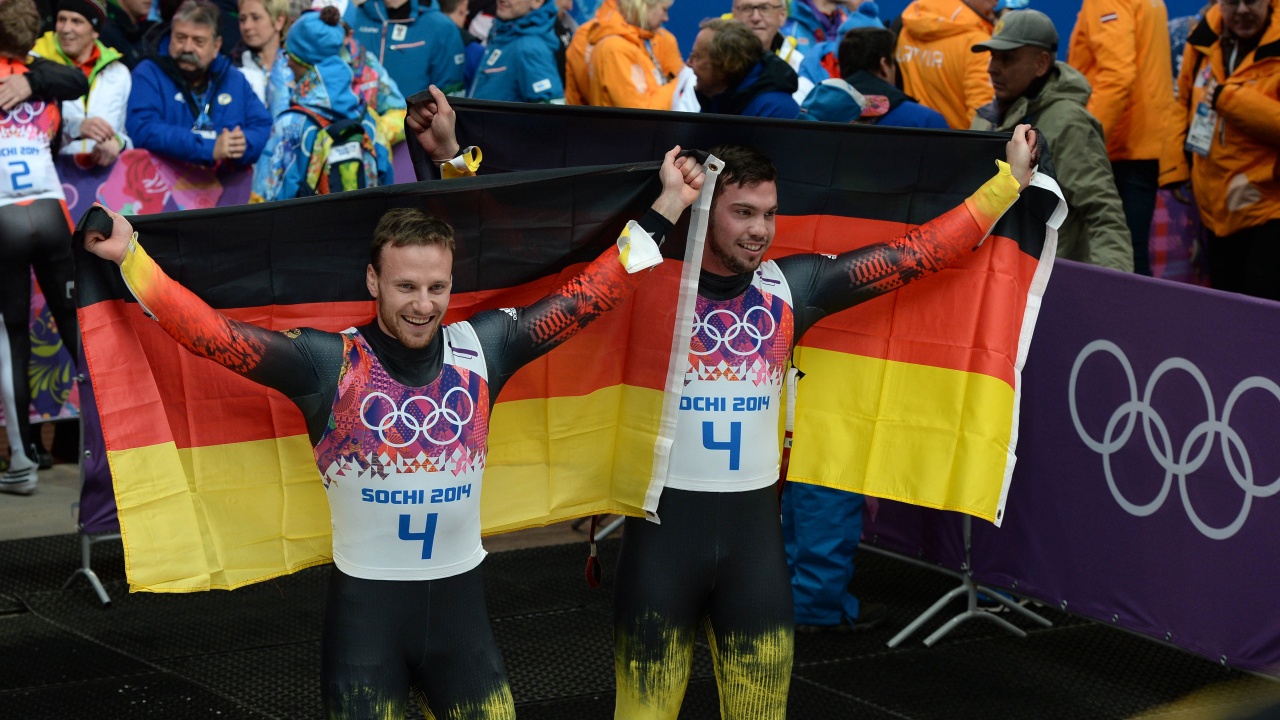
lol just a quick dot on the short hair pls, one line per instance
(19, 27)
(744, 166)
(864, 48)
(403, 227)
(734, 49)
(634, 11)
(448, 6)
(199, 12)
(275, 8)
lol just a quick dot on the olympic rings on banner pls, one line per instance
(405, 419)
(1188, 459)
(705, 330)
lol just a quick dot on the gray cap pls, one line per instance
(1019, 28)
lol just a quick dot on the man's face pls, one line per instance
(711, 80)
(412, 291)
(75, 34)
(742, 227)
(512, 9)
(764, 17)
(1245, 18)
(656, 17)
(193, 46)
(1013, 71)
(256, 26)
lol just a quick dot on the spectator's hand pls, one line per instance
(1020, 154)
(106, 151)
(110, 248)
(14, 89)
(230, 145)
(682, 179)
(97, 130)
(432, 123)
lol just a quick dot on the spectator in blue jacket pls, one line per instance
(821, 61)
(737, 76)
(813, 21)
(192, 104)
(868, 70)
(418, 44)
(321, 97)
(519, 62)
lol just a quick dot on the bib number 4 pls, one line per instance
(427, 536)
(733, 444)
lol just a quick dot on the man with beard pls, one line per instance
(193, 105)
(715, 562)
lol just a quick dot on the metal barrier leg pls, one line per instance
(86, 542)
(611, 527)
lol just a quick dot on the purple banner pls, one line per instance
(1144, 494)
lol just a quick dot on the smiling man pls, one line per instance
(406, 599)
(193, 105)
(519, 63)
(716, 562)
(93, 125)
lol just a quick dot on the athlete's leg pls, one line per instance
(364, 671)
(460, 675)
(749, 622)
(664, 577)
(51, 259)
(15, 308)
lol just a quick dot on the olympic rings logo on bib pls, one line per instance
(410, 426)
(706, 330)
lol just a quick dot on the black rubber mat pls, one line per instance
(255, 652)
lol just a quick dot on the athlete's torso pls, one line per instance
(403, 466)
(27, 132)
(726, 437)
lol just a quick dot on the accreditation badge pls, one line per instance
(1200, 134)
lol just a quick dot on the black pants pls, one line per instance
(1137, 182)
(382, 637)
(34, 235)
(1247, 262)
(715, 562)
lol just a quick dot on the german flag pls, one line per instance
(214, 476)
(911, 396)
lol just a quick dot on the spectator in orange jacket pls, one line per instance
(576, 79)
(622, 49)
(934, 60)
(1122, 49)
(1229, 89)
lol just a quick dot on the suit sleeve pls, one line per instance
(1114, 47)
(1088, 184)
(822, 285)
(149, 129)
(1254, 112)
(52, 81)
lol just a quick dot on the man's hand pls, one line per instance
(97, 130)
(106, 151)
(14, 90)
(432, 123)
(230, 145)
(682, 179)
(1021, 154)
(111, 248)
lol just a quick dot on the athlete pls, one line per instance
(386, 405)
(716, 559)
(34, 228)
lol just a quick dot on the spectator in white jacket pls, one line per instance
(93, 125)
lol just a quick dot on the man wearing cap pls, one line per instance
(321, 98)
(193, 105)
(92, 125)
(1032, 87)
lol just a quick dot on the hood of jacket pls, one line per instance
(929, 20)
(873, 87)
(538, 24)
(326, 90)
(1065, 84)
(771, 74)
